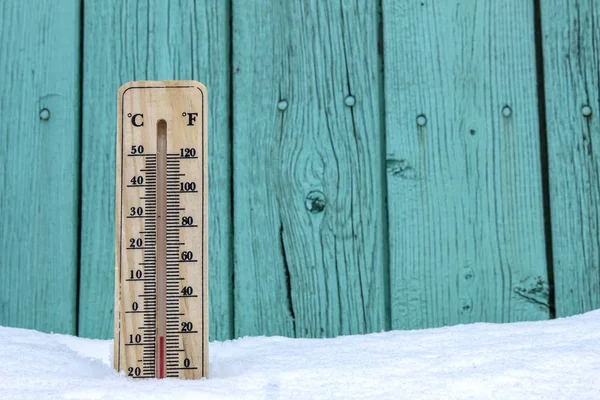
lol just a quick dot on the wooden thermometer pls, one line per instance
(161, 306)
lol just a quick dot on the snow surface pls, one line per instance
(557, 359)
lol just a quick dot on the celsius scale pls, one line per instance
(161, 299)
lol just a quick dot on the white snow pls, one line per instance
(557, 359)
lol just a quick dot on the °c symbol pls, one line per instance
(137, 119)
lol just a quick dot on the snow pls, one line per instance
(558, 359)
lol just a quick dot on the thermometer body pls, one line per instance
(161, 307)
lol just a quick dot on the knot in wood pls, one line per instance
(315, 201)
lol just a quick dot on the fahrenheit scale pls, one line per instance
(161, 307)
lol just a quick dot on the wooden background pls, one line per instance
(373, 165)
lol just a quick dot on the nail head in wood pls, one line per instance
(350, 101)
(44, 114)
(586, 111)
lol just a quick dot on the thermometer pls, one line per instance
(161, 303)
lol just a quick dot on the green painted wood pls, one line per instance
(39, 164)
(308, 173)
(571, 50)
(154, 40)
(463, 163)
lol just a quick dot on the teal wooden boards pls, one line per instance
(308, 175)
(571, 49)
(458, 151)
(466, 228)
(39, 164)
(155, 40)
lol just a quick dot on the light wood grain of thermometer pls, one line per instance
(161, 299)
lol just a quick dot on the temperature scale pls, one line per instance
(161, 306)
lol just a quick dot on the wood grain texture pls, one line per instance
(571, 50)
(308, 191)
(154, 40)
(39, 164)
(463, 163)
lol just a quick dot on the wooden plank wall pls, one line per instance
(463, 160)
(308, 185)
(39, 164)
(571, 46)
(373, 165)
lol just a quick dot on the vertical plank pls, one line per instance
(39, 164)
(308, 191)
(154, 40)
(463, 163)
(571, 51)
